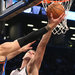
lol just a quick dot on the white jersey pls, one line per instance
(19, 72)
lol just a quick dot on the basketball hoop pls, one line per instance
(61, 28)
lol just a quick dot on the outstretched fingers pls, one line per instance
(51, 16)
(61, 17)
(31, 43)
(27, 47)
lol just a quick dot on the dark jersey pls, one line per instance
(1, 67)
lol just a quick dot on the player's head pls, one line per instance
(29, 55)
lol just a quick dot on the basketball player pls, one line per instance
(3, 63)
(32, 60)
(9, 47)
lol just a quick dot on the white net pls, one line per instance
(61, 28)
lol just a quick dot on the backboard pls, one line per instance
(12, 9)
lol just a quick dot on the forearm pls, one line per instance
(13, 46)
(41, 49)
(13, 54)
(16, 52)
(8, 47)
(32, 36)
(45, 39)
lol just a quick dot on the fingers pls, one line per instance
(28, 48)
(24, 49)
(62, 17)
(31, 43)
(51, 16)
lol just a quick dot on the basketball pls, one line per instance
(56, 9)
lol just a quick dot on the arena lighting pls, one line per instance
(70, 45)
(72, 38)
(4, 37)
(27, 10)
(70, 15)
(7, 36)
(34, 29)
(73, 35)
(73, 28)
(45, 22)
(6, 24)
(30, 25)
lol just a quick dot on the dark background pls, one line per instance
(59, 58)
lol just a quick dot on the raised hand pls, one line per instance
(27, 47)
(52, 23)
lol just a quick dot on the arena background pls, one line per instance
(59, 58)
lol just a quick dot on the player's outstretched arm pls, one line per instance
(36, 61)
(12, 46)
(8, 47)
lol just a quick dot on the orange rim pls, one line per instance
(52, 1)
